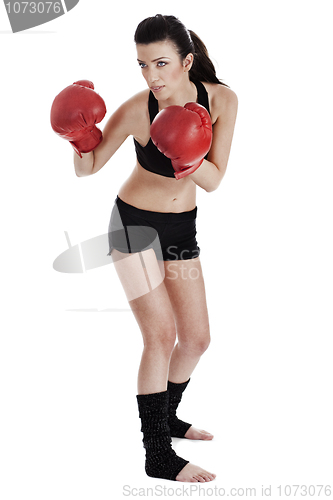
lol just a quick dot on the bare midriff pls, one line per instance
(149, 191)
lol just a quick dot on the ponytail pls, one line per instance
(203, 69)
(160, 28)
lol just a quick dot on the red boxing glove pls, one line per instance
(74, 113)
(183, 134)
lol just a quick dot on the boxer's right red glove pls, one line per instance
(74, 113)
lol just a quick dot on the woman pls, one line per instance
(177, 69)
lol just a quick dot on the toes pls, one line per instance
(196, 475)
(208, 437)
(207, 433)
(205, 476)
(208, 475)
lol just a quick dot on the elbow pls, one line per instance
(80, 174)
(209, 188)
(84, 166)
(208, 178)
(83, 173)
(215, 178)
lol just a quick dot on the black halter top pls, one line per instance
(149, 157)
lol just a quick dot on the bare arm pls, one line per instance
(121, 124)
(83, 166)
(210, 173)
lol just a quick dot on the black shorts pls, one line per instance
(170, 234)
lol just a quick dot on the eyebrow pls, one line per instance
(154, 60)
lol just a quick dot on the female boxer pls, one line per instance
(160, 194)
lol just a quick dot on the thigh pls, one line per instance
(185, 285)
(139, 272)
(141, 275)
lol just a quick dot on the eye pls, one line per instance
(142, 65)
(161, 64)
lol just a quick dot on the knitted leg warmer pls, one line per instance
(161, 460)
(178, 428)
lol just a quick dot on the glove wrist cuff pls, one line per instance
(87, 142)
(188, 171)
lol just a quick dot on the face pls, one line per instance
(162, 68)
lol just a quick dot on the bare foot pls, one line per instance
(194, 474)
(194, 433)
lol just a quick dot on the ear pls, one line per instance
(188, 62)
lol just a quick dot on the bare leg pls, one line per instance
(185, 285)
(154, 313)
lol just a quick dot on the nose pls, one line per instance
(152, 76)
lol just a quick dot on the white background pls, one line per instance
(69, 422)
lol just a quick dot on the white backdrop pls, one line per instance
(69, 422)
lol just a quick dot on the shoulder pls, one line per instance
(132, 115)
(138, 100)
(222, 100)
(135, 105)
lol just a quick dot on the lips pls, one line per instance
(156, 89)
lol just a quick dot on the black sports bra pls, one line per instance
(149, 157)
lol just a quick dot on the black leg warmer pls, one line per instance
(178, 428)
(161, 460)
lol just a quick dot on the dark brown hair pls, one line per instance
(160, 28)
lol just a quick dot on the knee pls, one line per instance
(162, 340)
(196, 344)
(202, 344)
